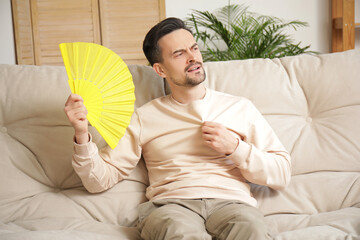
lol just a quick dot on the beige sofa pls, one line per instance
(312, 102)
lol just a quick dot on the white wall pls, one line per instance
(316, 12)
(7, 46)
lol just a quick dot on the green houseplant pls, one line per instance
(232, 32)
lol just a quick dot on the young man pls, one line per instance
(201, 147)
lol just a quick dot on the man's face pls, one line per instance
(182, 60)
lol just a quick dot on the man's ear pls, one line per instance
(159, 70)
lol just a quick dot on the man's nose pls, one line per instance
(191, 57)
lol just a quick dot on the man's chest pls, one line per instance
(182, 135)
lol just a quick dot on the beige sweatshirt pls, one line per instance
(180, 165)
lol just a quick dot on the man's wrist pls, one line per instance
(82, 138)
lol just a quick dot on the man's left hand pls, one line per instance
(219, 138)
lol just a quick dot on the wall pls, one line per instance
(7, 47)
(316, 12)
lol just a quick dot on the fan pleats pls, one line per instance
(105, 83)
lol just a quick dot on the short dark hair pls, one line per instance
(151, 48)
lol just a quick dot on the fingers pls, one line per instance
(214, 142)
(75, 106)
(74, 101)
(212, 132)
(218, 137)
(211, 141)
(212, 128)
(211, 124)
(76, 112)
(73, 98)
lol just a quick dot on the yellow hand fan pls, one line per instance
(105, 83)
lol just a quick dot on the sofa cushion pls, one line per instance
(330, 131)
(340, 224)
(307, 194)
(36, 150)
(311, 101)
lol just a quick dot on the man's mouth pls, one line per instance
(193, 68)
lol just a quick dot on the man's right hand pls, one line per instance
(76, 113)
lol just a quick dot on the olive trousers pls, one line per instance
(201, 219)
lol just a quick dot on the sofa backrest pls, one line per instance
(311, 101)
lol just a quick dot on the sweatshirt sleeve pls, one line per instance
(101, 169)
(260, 156)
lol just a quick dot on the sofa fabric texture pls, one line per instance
(311, 101)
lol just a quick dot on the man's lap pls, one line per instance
(197, 218)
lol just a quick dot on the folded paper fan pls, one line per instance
(105, 83)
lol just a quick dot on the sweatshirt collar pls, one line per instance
(195, 102)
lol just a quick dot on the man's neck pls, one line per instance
(186, 95)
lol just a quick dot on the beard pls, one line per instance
(192, 81)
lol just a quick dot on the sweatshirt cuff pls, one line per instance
(85, 149)
(241, 154)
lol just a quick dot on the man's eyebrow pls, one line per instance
(182, 50)
(194, 45)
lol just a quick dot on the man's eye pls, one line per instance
(196, 47)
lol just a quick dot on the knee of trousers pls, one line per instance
(162, 224)
(228, 219)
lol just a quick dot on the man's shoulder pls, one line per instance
(151, 105)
